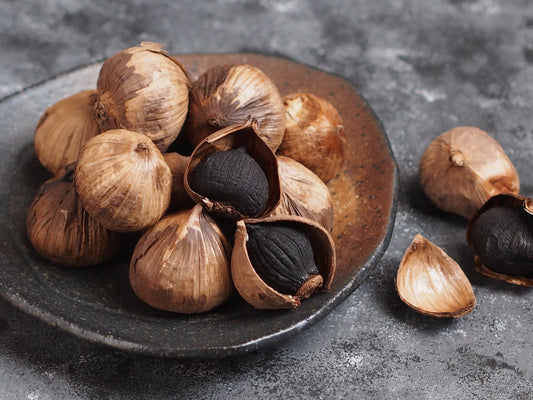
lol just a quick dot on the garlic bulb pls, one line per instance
(123, 180)
(227, 95)
(63, 129)
(145, 90)
(182, 264)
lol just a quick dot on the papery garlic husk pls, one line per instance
(63, 129)
(182, 264)
(314, 134)
(62, 231)
(227, 95)
(123, 180)
(303, 193)
(432, 283)
(179, 198)
(143, 89)
(501, 234)
(464, 167)
(252, 287)
(234, 137)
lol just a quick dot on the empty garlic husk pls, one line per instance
(123, 181)
(501, 234)
(62, 231)
(63, 129)
(145, 90)
(182, 264)
(432, 283)
(303, 193)
(254, 289)
(243, 187)
(227, 95)
(314, 134)
(179, 198)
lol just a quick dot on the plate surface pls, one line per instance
(98, 304)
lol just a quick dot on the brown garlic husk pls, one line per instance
(123, 180)
(62, 231)
(182, 264)
(227, 95)
(314, 134)
(464, 167)
(231, 138)
(303, 193)
(432, 283)
(63, 129)
(255, 290)
(179, 198)
(501, 234)
(143, 89)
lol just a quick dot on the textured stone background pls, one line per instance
(424, 66)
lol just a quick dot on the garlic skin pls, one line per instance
(145, 90)
(432, 283)
(464, 167)
(64, 128)
(303, 193)
(123, 180)
(62, 231)
(227, 95)
(182, 264)
(314, 134)
(179, 198)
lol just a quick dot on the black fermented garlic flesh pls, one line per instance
(281, 255)
(232, 177)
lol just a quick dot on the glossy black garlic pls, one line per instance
(232, 177)
(281, 255)
(501, 234)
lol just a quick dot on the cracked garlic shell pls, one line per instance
(64, 128)
(62, 231)
(227, 95)
(123, 180)
(314, 134)
(143, 89)
(182, 264)
(464, 167)
(276, 254)
(303, 193)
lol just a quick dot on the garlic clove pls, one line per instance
(227, 95)
(62, 231)
(182, 264)
(123, 180)
(303, 193)
(248, 270)
(432, 283)
(63, 129)
(501, 234)
(145, 90)
(314, 134)
(463, 167)
(237, 188)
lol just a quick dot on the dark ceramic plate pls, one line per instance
(98, 304)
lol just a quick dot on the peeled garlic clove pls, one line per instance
(145, 90)
(303, 193)
(314, 134)
(464, 167)
(501, 234)
(228, 95)
(123, 180)
(62, 231)
(273, 267)
(237, 175)
(182, 264)
(432, 283)
(63, 129)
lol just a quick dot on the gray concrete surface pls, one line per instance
(424, 66)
